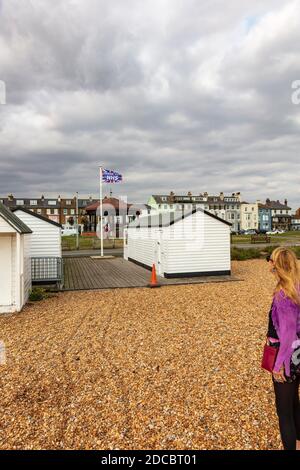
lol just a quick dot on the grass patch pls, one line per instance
(274, 238)
(90, 243)
(296, 249)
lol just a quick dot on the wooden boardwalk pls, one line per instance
(89, 273)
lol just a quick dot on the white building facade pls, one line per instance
(249, 216)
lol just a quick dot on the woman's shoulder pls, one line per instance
(281, 298)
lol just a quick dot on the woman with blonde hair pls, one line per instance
(284, 335)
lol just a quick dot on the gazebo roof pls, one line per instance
(112, 201)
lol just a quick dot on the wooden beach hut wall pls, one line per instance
(45, 248)
(15, 266)
(196, 243)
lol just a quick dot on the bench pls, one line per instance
(260, 239)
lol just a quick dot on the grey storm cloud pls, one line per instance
(175, 94)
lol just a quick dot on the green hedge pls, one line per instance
(242, 254)
(37, 293)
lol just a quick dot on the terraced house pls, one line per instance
(225, 207)
(60, 210)
(281, 214)
(173, 202)
(249, 215)
(264, 217)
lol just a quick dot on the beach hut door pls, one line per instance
(5, 271)
(158, 254)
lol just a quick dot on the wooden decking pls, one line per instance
(87, 273)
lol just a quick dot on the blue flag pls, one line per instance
(109, 176)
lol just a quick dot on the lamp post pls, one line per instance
(77, 232)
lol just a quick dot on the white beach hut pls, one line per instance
(45, 247)
(15, 270)
(190, 244)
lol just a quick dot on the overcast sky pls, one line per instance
(182, 95)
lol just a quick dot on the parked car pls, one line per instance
(67, 230)
(250, 232)
(275, 232)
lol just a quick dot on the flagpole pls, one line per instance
(101, 212)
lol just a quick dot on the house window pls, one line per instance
(68, 202)
(65, 211)
(20, 202)
(33, 202)
(39, 211)
(165, 206)
(52, 203)
(72, 211)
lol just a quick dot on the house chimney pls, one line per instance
(285, 202)
(222, 196)
(10, 197)
(43, 197)
(189, 194)
(172, 196)
(59, 198)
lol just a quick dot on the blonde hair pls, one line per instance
(288, 273)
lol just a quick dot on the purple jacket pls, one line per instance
(286, 320)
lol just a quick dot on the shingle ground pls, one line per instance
(170, 368)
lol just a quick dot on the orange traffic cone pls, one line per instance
(153, 278)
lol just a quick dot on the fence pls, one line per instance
(47, 270)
